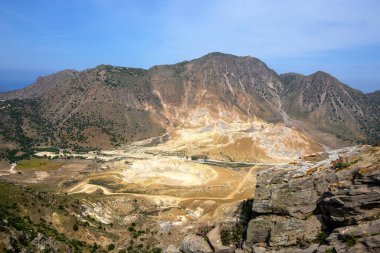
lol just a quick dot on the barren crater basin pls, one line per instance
(169, 172)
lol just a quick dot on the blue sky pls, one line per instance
(40, 37)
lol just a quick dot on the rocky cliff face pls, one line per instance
(326, 202)
(335, 206)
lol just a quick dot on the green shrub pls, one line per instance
(111, 246)
(231, 235)
(156, 250)
(203, 230)
(321, 238)
(75, 227)
(350, 240)
(342, 165)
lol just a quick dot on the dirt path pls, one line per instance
(203, 205)
(10, 171)
(86, 187)
(242, 183)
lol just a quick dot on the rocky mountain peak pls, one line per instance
(201, 92)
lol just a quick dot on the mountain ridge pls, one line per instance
(374, 96)
(108, 105)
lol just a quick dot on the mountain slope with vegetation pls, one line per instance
(107, 106)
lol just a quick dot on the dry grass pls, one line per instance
(38, 164)
(368, 169)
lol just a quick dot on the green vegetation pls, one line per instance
(140, 249)
(14, 155)
(76, 125)
(122, 76)
(23, 125)
(38, 164)
(21, 210)
(197, 157)
(321, 237)
(138, 236)
(83, 150)
(231, 235)
(47, 149)
(26, 130)
(350, 240)
(135, 233)
(332, 250)
(29, 228)
(203, 230)
(106, 182)
(341, 165)
(52, 232)
(246, 211)
(111, 246)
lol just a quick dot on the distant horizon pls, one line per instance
(34, 75)
(41, 37)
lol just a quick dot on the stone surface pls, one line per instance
(258, 249)
(347, 204)
(171, 249)
(296, 197)
(372, 242)
(214, 239)
(290, 211)
(194, 244)
(278, 230)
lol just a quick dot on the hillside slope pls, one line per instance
(374, 96)
(107, 106)
(332, 106)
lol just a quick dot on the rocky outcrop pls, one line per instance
(284, 211)
(215, 240)
(277, 230)
(212, 242)
(171, 249)
(195, 244)
(362, 237)
(348, 203)
(332, 207)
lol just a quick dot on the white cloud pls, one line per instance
(270, 28)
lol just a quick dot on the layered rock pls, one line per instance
(336, 206)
